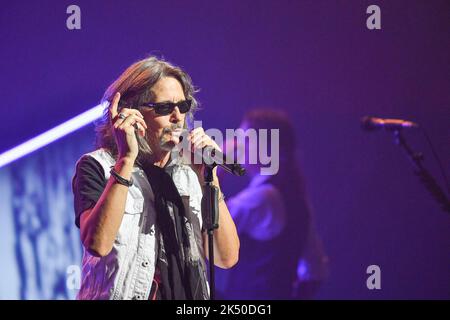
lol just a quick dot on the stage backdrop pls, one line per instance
(40, 245)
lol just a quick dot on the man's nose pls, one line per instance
(175, 116)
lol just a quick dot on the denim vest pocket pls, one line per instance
(135, 201)
(134, 206)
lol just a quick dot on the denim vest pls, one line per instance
(127, 271)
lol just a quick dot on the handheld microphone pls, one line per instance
(214, 156)
(371, 123)
(211, 156)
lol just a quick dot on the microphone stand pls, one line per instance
(425, 177)
(210, 209)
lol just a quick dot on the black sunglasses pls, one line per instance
(165, 108)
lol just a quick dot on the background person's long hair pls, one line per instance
(290, 183)
(135, 85)
(289, 171)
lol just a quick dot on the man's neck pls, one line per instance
(160, 158)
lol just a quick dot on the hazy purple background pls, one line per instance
(315, 59)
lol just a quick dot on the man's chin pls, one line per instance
(168, 145)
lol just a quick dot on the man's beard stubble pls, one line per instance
(165, 140)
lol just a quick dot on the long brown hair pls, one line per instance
(289, 179)
(135, 85)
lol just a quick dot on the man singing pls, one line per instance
(138, 206)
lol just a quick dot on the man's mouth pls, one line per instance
(169, 133)
(172, 137)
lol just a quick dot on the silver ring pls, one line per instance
(122, 116)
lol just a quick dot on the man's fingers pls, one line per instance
(200, 143)
(129, 113)
(205, 141)
(140, 129)
(131, 120)
(196, 134)
(138, 113)
(197, 138)
(197, 131)
(134, 118)
(114, 104)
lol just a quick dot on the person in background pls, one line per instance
(273, 220)
(313, 267)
